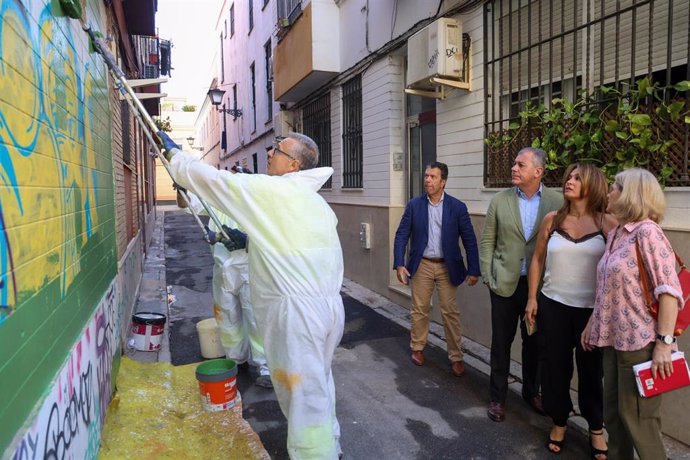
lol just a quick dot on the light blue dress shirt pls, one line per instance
(433, 247)
(529, 208)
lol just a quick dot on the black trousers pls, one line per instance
(560, 327)
(506, 312)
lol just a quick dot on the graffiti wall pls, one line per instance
(57, 232)
(68, 423)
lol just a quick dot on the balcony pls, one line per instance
(308, 54)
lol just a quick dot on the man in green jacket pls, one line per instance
(505, 252)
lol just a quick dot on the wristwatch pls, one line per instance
(667, 339)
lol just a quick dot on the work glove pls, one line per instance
(179, 188)
(237, 239)
(168, 145)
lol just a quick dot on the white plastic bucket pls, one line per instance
(147, 330)
(209, 339)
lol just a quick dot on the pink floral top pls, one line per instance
(621, 319)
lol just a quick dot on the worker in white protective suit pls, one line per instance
(296, 272)
(232, 307)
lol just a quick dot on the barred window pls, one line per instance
(316, 120)
(538, 51)
(352, 133)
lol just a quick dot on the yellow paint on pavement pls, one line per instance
(157, 414)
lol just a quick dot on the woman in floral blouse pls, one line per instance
(621, 324)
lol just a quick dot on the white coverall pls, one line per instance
(232, 306)
(296, 272)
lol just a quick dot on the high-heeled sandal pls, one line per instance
(553, 443)
(596, 453)
(550, 442)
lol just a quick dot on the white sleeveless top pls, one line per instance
(570, 276)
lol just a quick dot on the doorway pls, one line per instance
(421, 136)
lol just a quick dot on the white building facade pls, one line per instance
(340, 70)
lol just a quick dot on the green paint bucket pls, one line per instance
(217, 384)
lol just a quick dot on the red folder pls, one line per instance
(649, 387)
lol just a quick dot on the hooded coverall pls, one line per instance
(296, 272)
(232, 306)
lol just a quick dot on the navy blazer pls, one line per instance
(455, 225)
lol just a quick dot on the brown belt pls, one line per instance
(437, 260)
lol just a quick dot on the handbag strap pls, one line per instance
(643, 276)
(644, 280)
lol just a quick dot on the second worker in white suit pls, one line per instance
(296, 272)
(232, 306)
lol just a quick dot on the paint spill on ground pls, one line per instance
(157, 413)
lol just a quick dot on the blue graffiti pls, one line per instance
(59, 109)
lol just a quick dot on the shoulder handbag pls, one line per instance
(683, 275)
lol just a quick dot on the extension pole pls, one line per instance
(145, 120)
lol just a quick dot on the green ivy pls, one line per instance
(614, 128)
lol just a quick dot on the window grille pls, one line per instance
(148, 55)
(288, 11)
(352, 133)
(540, 50)
(316, 121)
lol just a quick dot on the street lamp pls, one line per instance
(216, 96)
(190, 140)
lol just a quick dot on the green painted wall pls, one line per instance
(57, 228)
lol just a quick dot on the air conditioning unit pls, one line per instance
(435, 57)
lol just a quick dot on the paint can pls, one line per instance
(209, 339)
(147, 330)
(217, 384)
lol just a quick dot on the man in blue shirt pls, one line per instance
(434, 223)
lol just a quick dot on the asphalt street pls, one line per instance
(388, 408)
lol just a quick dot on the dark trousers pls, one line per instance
(560, 328)
(506, 312)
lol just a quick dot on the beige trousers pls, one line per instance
(428, 276)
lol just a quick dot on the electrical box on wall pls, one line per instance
(365, 235)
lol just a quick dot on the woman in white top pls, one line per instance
(570, 243)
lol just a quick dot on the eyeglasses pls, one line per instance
(275, 147)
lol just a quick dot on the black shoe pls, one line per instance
(535, 403)
(243, 367)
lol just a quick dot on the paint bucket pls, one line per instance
(209, 339)
(147, 330)
(217, 384)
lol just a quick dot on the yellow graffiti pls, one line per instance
(56, 167)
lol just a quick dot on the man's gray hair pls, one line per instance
(538, 154)
(306, 150)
